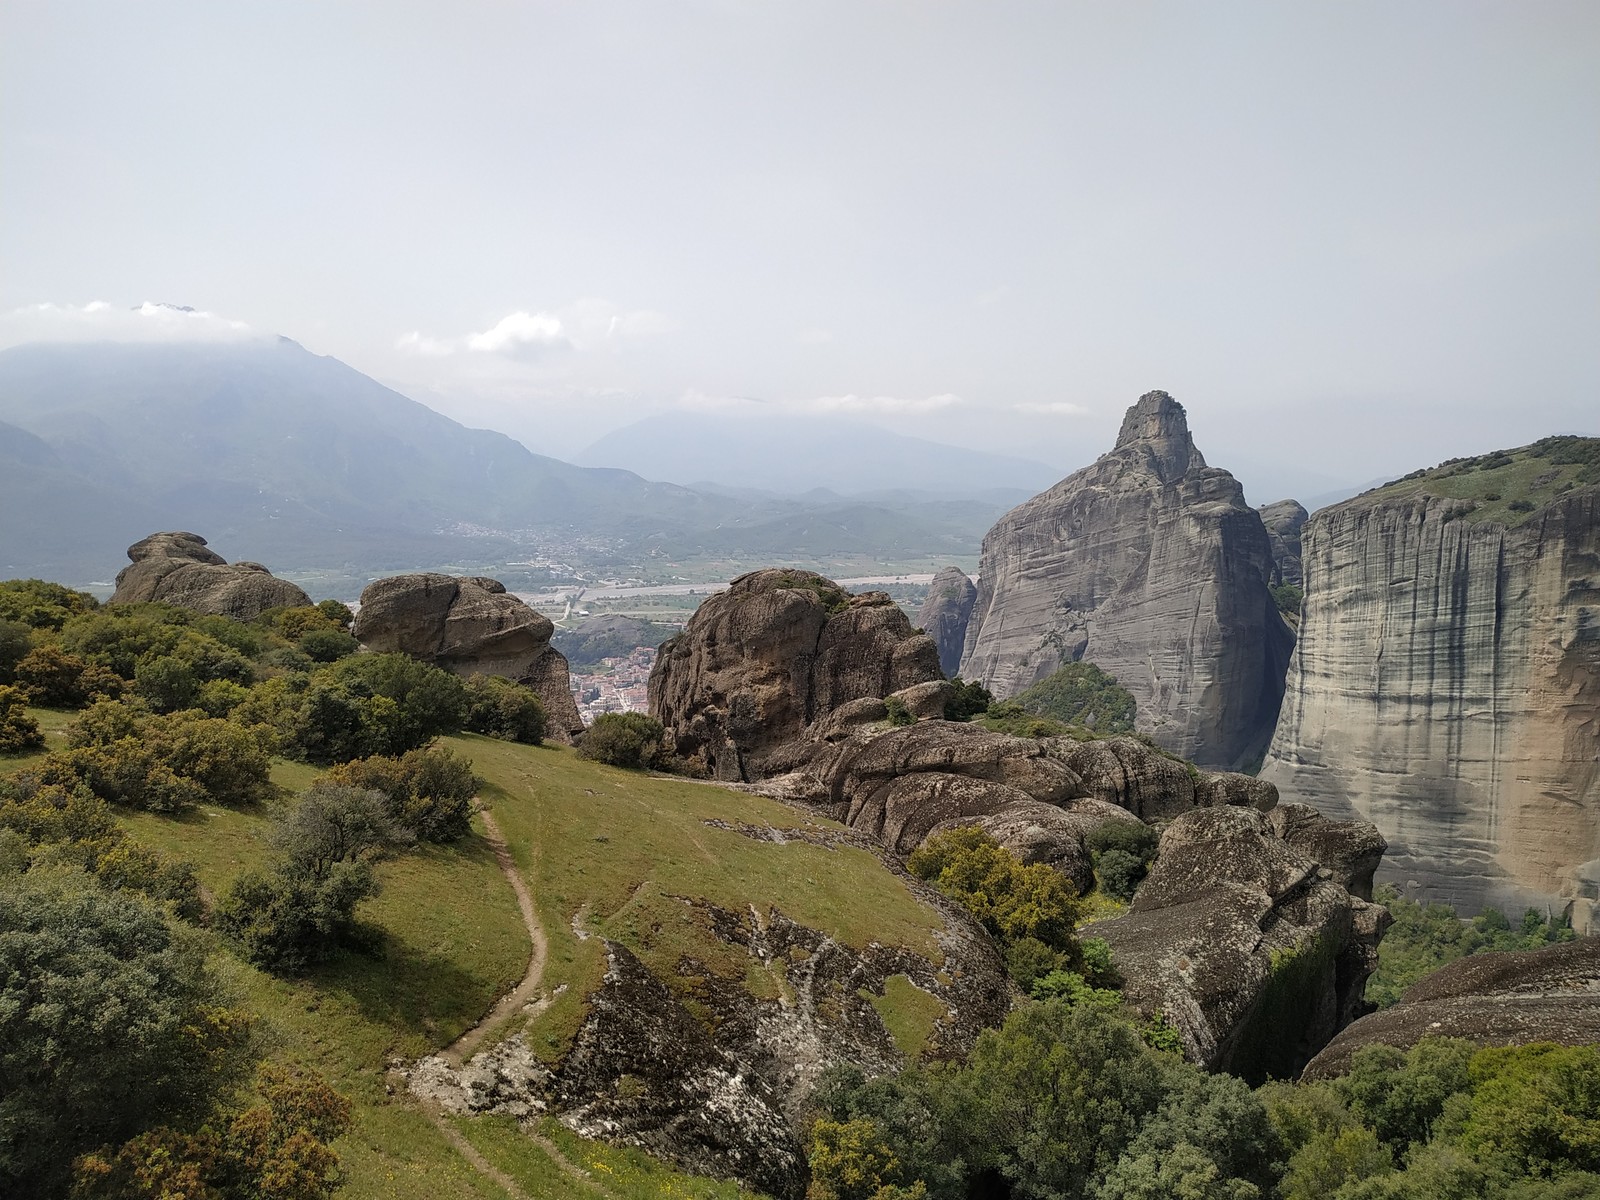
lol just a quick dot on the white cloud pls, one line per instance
(99, 321)
(1060, 408)
(585, 325)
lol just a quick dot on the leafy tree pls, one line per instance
(1400, 1094)
(41, 605)
(1081, 694)
(334, 824)
(52, 677)
(502, 709)
(16, 639)
(1288, 598)
(18, 731)
(967, 700)
(1028, 908)
(910, 1109)
(276, 1149)
(327, 645)
(426, 701)
(622, 740)
(1123, 851)
(428, 792)
(852, 1160)
(110, 1022)
(338, 612)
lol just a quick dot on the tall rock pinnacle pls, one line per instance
(1149, 564)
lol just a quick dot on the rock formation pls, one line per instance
(1149, 564)
(178, 569)
(1284, 521)
(1502, 999)
(470, 625)
(1446, 686)
(945, 614)
(758, 664)
(1249, 948)
(644, 1071)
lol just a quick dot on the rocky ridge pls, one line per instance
(180, 569)
(1284, 520)
(1510, 998)
(1149, 564)
(1446, 686)
(470, 625)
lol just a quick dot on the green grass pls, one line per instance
(620, 848)
(1495, 482)
(908, 1013)
(53, 724)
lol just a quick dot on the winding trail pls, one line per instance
(519, 999)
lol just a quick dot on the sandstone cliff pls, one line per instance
(179, 569)
(780, 649)
(945, 614)
(1446, 686)
(470, 626)
(1149, 564)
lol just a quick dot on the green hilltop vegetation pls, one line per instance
(258, 852)
(1508, 486)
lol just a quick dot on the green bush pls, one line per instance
(52, 677)
(899, 714)
(1119, 873)
(502, 709)
(427, 791)
(41, 605)
(18, 731)
(327, 645)
(16, 639)
(110, 1022)
(1122, 851)
(1288, 598)
(622, 740)
(1081, 694)
(967, 700)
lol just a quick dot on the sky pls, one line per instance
(1352, 238)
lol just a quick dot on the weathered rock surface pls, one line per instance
(945, 614)
(758, 664)
(1503, 999)
(645, 1071)
(179, 569)
(1284, 520)
(1252, 951)
(1151, 565)
(1446, 687)
(470, 625)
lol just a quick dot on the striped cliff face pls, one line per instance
(1446, 687)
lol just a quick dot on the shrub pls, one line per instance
(1132, 836)
(16, 639)
(899, 714)
(502, 709)
(967, 700)
(1288, 598)
(135, 1030)
(1119, 873)
(428, 791)
(1080, 693)
(327, 645)
(56, 679)
(1019, 905)
(18, 731)
(622, 740)
(41, 605)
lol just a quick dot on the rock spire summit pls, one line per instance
(1157, 426)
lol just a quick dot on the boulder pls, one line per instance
(781, 650)
(945, 614)
(1252, 951)
(1149, 564)
(1500, 999)
(1352, 850)
(470, 626)
(179, 569)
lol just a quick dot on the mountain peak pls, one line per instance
(1158, 426)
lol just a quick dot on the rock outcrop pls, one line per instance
(1504, 999)
(1249, 948)
(945, 614)
(179, 569)
(470, 625)
(1149, 564)
(1446, 686)
(1284, 521)
(723, 1093)
(759, 664)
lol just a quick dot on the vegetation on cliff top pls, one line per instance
(1507, 486)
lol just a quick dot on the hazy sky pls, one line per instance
(1351, 237)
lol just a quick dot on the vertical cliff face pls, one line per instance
(945, 613)
(1284, 520)
(1149, 564)
(1446, 686)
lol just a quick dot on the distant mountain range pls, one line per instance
(300, 461)
(796, 454)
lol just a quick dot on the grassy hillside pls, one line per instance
(605, 852)
(1507, 486)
